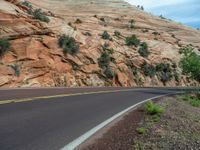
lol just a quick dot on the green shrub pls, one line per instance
(117, 34)
(132, 23)
(149, 70)
(143, 51)
(38, 14)
(104, 60)
(4, 46)
(163, 67)
(68, 44)
(27, 4)
(190, 63)
(109, 72)
(153, 109)
(16, 68)
(164, 72)
(133, 40)
(106, 35)
(141, 130)
(192, 100)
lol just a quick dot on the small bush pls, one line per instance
(133, 40)
(104, 60)
(106, 35)
(4, 46)
(117, 34)
(153, 109)
(132, 23)
(149, 70)
(141, 130)
(68, 44)
(109, 72)
(16, 68)
(192, 100)
(143, 51)
(102, 19)
(78, 21)
(27, 4)
(38, 14)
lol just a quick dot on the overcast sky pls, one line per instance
(185, 11)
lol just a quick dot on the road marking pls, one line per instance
(85, 136)
(63, 95)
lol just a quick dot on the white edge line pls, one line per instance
(72, 145)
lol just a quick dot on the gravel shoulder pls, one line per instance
(177, 128)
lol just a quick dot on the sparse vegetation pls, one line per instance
(16, 68)
(104, 63)
(132, 23)
(141, 130)
(162, 17)
(132, 41)
(149, 70)
(102, 19)
(106, 35)
(164, 72)
(68, 44)
(140, 7)
(104, 60)
(143, 51)
(27, 4)
(4, 46)
(109, 72)
(78, 21)
(39, 14)
(194, 100)
(117, 34)
(153, 109)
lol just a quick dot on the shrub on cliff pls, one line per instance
(149, 70)
(106, 35)
(104, 60)
(27, 4)
(132, 40)
(38, 14)
(4, 46)
(143, 51)
(68, 44)
(109, 72)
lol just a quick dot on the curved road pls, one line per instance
(52, 123)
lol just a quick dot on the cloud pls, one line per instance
(185, 11)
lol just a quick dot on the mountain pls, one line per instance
(90, 43)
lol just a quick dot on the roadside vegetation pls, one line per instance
(165, 124)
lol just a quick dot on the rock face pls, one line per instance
(35, 50)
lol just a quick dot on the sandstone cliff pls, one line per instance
(37, 57)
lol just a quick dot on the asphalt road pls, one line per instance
(52, 123)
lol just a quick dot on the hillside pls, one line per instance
(106, 56)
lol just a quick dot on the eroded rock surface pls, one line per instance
(42, 63)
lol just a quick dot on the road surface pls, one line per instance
(50, 124)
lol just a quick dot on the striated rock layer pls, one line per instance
(42, 63)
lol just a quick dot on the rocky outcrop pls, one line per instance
(35, 49)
